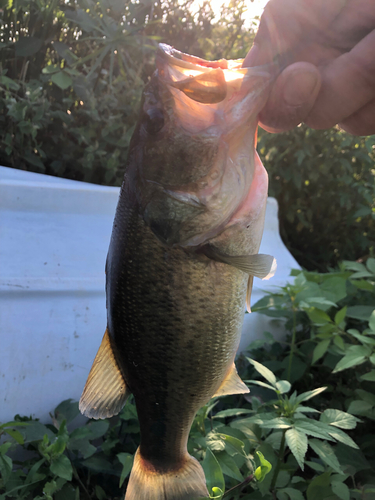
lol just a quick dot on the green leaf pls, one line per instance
(5, 467)
(218, 441)
(97, 428)
(359, 407)
(318, 316)
(353, 265)
(62, 467)
(264, 468)
(313, 428)
(83, 446)
(370, 376)
(50, 69)
(319, 488)
(334, 288)
(212, 470)
(127, 462)
(326, 454)
(62, 80)
(340, 315)
(364, 339)
(100, 493)
(309, 394)
(228, 466)
(262, 384)
(276, 423)
(338, 342)
(371, 321)
(339, 419)
(82, 18)
(52, 486)
(340, 490)
(232, 412)
(355, 355)
(340, 436)
(360, 312)
(64, 52)
(264, 371)
(351, 457)
(306, 409)
(4, 448)
(34, 160)
(67, 410)
(35, 431)
(317, 302)
(370, 264)
(320, 349)
(28, 46)
(292, 493)
(9, 83)
(16, 435)
(283, 386)
(99, 463)
(31, 476)
(297, 442)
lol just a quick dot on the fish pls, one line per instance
(181, 261)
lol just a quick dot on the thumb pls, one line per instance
(291, 98)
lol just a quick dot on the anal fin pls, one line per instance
(105, 392)
(232, 384)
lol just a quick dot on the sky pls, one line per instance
(255, 8)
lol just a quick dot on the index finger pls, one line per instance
(289, 26)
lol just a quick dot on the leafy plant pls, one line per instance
(324, 182)
(292, 438)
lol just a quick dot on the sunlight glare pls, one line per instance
(254, 8)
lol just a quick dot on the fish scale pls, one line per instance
(182, 256)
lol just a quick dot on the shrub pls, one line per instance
(304, 432)
(324, 182)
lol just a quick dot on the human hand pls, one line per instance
(329, 49)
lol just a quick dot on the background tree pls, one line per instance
(71, 78)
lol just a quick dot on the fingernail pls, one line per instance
(300, 87)
(251, 58)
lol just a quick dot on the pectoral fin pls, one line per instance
(232, 384)
(248, 293)
(105, 392)
(260, 265)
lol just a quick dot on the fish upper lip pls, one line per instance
(172, 55)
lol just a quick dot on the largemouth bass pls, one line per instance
(183, 253)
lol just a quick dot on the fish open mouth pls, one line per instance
(207, 82)
(189, 62)
(212, 109)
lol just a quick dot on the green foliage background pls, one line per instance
(304, 432)
(71, 77)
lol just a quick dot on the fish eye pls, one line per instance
(154, 120)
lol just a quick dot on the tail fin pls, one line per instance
(184, 483)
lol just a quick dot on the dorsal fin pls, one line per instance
(105, 392)
(232, 384)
